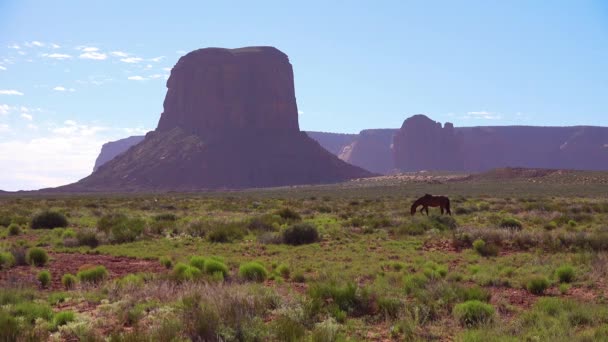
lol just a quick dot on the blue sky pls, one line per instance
(74, 74)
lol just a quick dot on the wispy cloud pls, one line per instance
(131, 60)
(155, 76)
(4, 128)
(34, 43)
(482, 115)
(27, 116)
(94, 55)
(5, 109)
(11, 92)
(157, 59)
(89, 49)
(2, 68)
(62, 88)
(57, 55)
(136, 78)
(14, 46)
(55, 46)
(119, 54)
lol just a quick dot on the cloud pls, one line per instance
(300, 112)
(27, 117)
(4, 109)
(11, 92)
(57, 55)
(131, 60)
(14, 46)
(55, 46)
(34, 43)
(167, 69)
(4, 128)
(89, 49)
(155, 76)
(61, 88)
(119, 54)
(157, 59)
(482, 115)
(94, 55)
(2, 68)
(136, 78)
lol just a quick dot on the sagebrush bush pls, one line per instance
(565, 274)
(300, 234)
(69, 281)
(226, 232)
(485, 249)
(166, 261)
(511, 223)
(198, 262)
(288, 214)
(37, 256)
(63, 318)
(48, 220)
(30, 311)
(537, 285)
(68, 234)
(473, 313)
(253, 271)
(87, 237)
(121, 228)
(94, 274)
(14, 229)
(283, 270)
(44, 277)
(165, 217)
(9, 327)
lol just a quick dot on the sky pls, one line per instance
(76, 74)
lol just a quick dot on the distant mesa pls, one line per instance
(112, 149)
(230, 120)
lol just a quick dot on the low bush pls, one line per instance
(48, 220)
(166, 261)
(226, 232)
(6, 260)
(69, 233)
(253, 271)
(300, 234)
(69, 281)
(473, 313)
(289, 215)
(9, 327)
(87, 237)
(44, 277)
(121, 228)
(198, 262)
(94, 274)
(165, 217)
(14, 229)
(286, 328)
(63, 318)
(485, 249)
(511, 223)
(283, 270)
(565, 274)
(349, 298)
(37, 256)
(537, 285)
(213, 266)
(183, 272)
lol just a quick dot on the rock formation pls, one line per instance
(423, 144)
(230, 120)
(371, 150)
(112, 149)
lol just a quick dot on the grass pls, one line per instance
(373, 271)
(93, 274)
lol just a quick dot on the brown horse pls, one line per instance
(427, 201)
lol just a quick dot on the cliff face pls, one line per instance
(371, 150)
(230, 120)
(423, 144)
(112, 149)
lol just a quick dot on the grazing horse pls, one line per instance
(427, 201)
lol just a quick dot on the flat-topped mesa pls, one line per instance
(216, 91)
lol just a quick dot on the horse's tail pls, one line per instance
(447, 206)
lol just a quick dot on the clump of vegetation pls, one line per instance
(198, 262)
(213, 266)
(44, 278)
(94, 274)
(49, 220)
(485, 249)
(69, 281)
(283, 270)
(565, 274)
(87, 237)
(37, 256)
(253, 271)
(300, 234)
(473, 313)
(63, 318)
(226, 232)
(288, 214)
(121, 228)
(537, 285)
(166, 261)
(14, 229)
(7, 260)
(511, 223)
(183, 272)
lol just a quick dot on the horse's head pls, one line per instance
(413, 209)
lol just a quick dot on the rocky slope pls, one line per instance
(230, 120)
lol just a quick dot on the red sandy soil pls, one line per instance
(62, 263)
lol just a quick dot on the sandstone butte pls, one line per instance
(230, 121)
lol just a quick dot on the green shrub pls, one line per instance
(198, 262)
(14, 229)
(299, 277)
(69, 281)
(286, 328)
(7, 260)
(414, 282)
(9, 327)
(473, 313)
(564, 288)
(30, 311)
(183, 272)
(37, 256)
(213, 266)
(121, 228)
(226, 232)
(44, 277)
(63, 318)
(94, 274)
(87, 237)
(49, 219)
(165, 261)
(300, 234)
(511, 223)
(165, 217)
(283, 270)
(253, 271)
(131, 281)
(288, 214)
(485, 249)
(565, 274)
(537, 285)
(69, 233)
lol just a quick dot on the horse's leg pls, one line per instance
(427, 210)
(441, 207)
